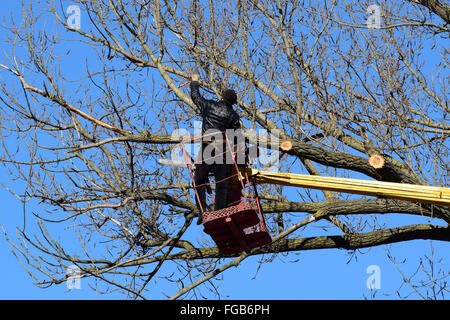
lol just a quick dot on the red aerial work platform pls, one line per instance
(240, 226)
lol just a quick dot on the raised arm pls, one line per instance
(196, 97)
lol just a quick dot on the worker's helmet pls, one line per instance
(229, 97)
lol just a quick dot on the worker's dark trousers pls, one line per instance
(221, 173)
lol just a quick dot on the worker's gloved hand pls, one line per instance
(195, 76)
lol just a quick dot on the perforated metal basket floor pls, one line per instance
(236, 228)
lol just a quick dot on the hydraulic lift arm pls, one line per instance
(401, 191)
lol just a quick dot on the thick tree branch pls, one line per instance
(440, 9)
(348, 242)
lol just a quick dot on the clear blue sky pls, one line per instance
(321, 274)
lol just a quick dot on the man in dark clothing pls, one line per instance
(218, 116)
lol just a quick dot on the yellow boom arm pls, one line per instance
(402, 191)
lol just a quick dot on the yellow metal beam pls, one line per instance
(402, 191)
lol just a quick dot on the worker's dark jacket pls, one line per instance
(216, 114)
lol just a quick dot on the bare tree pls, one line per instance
(87, 144)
